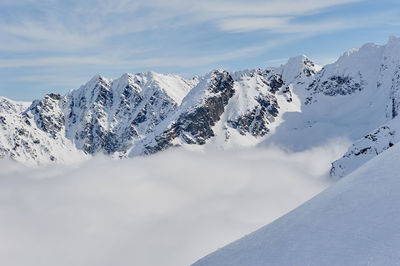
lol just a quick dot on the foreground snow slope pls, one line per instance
(354, 222)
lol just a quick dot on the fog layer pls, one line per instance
(169, 209)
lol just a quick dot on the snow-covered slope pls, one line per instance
(345, 100)
(35, 133)
(354, 222)
(110, 116)
(226, 110)
(105, 116)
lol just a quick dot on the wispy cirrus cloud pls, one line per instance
(126, 59)
(91, 24)
(176, 36)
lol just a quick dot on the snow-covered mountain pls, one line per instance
(35, 133)
(111, 116)
(354, 222)
(149, 112)
(348, 100)
(296, 106)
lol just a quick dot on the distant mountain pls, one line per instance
(149, 112)
(356, 98)
(296, 106)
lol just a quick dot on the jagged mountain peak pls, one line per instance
(298, 67)
(368, 60)
(7, 105)
(147, 112)
(96, 79)
(393, 39)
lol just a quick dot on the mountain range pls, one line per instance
(296, 106)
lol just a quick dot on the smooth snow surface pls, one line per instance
(169, 209)
(354, 222)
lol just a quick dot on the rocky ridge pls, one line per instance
(297, 106)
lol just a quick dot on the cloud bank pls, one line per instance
(168, 209)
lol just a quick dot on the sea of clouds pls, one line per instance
(169, 209)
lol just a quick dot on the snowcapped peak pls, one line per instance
(298, 66)
(93, 82)
(394, 40)
(298, 59)
(219, 70)
(126, 76)
(360, 64)
(96, 78)
(174, 86)
(213, 73)
(7, 105)
(206, 86)
(361, 51)
(392, 48)
(216, 74)
(124, 80)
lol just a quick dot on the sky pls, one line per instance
(54, 46)
(127, 212)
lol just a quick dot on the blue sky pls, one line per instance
(53, 46)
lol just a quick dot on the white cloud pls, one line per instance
(134, 35)
(84, 25)
(209, 9)
(167, 209)
(254, 23)
(124, 59)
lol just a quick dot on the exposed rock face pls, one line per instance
(256, 120)
(263, 105)
(145, 113)
(297, 69)
(194, 124)
(101, 116)
(36, 133)
(366, 148)
(336, 85)
(108, 117)
(47, 114)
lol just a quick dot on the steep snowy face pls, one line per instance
(373, 68)
(47, 115)
(227, 110)
(35, 134)
(389, 75)
(255, 105)
(109, 116)
(261, 97)
(384, 83)
(297, 68)
(354, 71)
(345, 100)
(200, 110)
